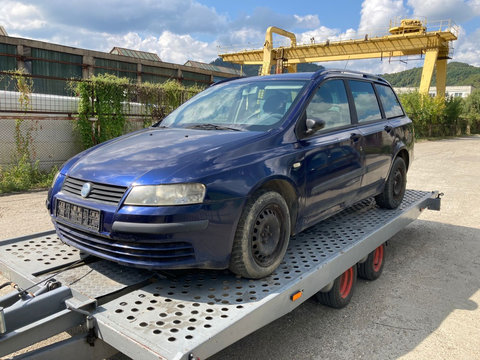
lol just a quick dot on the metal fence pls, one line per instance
(49, 120)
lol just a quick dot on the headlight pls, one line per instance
(164, 195)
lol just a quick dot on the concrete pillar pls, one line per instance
(139, 73)
(87, 69)
(20, 62)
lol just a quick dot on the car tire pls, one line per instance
(262, 236)
(395, 186)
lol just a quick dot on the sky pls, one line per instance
(181, 30)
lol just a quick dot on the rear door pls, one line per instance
(333, 159)
(377, 136)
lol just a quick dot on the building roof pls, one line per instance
(3, 31)
(135, 54)
(212, 67)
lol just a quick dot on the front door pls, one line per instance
(333, 156)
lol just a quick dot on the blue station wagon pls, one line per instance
(227, 178)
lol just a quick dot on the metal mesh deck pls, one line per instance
(181, 314)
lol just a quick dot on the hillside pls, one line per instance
(457, 74)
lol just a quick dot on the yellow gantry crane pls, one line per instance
(409, 37)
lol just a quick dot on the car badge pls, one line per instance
(86, 188)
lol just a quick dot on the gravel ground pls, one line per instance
(424, 306)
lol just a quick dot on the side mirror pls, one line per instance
(314, 125)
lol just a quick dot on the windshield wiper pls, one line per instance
(208, 126)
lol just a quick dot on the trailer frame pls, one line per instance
(189, 314)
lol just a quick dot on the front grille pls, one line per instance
(144, 254)
(109, 194)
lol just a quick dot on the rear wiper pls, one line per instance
(208, 126)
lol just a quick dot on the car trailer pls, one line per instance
(191, 314)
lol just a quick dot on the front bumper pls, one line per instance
(171, 237)
(155, 229)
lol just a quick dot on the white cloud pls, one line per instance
(307, 21)
(186, 29)
(468, 48)
(376, 16)
(17, 16)
(170, 47)
(457, 10)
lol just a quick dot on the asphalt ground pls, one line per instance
(424, 306)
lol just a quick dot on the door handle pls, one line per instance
(388, 128)
(355, 137)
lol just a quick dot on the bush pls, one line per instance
(434, 116)
(24, 175)
(471, 113)
(104, 99)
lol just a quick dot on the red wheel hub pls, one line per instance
(378, 258)
(346, 283)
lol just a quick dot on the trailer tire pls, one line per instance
(342, 290)
(395, 186)
(262, 235)
(372, 268)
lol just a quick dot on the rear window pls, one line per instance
(365, 101)
(390, 103)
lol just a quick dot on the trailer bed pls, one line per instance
(196, 313)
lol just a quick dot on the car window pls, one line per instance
(330, 104)
(365, 101)
(390, 103)
(257, 105)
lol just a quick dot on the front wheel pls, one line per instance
(395, 186)
(262, 236)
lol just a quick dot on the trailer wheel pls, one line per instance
(342, 290)
(372, 268)
(395, 186)
(262, 236)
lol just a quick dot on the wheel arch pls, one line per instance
(288, 191)
(403, 153)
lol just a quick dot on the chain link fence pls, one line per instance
(48, 121)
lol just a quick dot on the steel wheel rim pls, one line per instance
(346, 283)
(398, 183)
(268, 235)
(378, 258)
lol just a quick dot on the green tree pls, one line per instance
(472, 112)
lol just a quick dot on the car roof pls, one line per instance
(324, 73)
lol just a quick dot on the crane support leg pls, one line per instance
(441, 77)
(268, 52)
(427, 72)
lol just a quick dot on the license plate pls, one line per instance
(79, 215)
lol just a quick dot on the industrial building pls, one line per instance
(52, 66)
(452, 91)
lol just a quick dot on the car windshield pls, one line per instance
(258, 105)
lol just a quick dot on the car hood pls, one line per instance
(155, 155)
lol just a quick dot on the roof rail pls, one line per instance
(350, 72)
(226, 80)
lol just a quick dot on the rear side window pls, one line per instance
(330, 103)
(391, 106)
(365, 101)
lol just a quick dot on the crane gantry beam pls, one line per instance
(434, 45)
